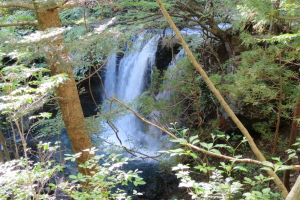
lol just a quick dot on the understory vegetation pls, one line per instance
(54, 60)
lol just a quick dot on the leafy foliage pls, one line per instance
(25, 90)
(24, 178)
(107, 176)
(222, 183)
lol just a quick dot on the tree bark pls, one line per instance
(19, 24)
(3, 143)
(245, 132)
(294, 194)
(69, 101)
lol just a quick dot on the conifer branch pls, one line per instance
(34, 23)
(16, 4)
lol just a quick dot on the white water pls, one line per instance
(127, 82)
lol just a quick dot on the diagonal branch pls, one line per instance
(163, 129)
(33, 23)
(16, 4)
(222, 101)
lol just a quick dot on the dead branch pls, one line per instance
(16, 4)
(132, 152)
(34, 23)
(245, 160)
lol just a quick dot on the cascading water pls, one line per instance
(127, 82)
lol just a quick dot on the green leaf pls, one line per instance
(240, 168)
(180, 140)
(203, 144)
(285, 168)
(193, 155)
(276, 158)
(276, 165)
(177, 150)
(184, 131)
(267, 163)
(266, 190)
(73, 177)
(215, 151)
(46, 146)
(209, 146)
(195, 141)
(192, 138)
(247, 179)
(266, 168)
(292, 155)
(79, 175)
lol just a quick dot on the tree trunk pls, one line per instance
(295, 192)
(67, 93)
(4, 145)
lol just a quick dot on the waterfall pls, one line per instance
(127, 82)
(126, 79)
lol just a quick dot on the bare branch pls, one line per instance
(132, 152)
(66, 5)
(288, 18)
(124, 22)
(143, 119)
(16, 4)
(246, 160)
(34, 23)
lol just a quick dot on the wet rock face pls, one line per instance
(162, 186)
(90, 91)
(165, 53)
